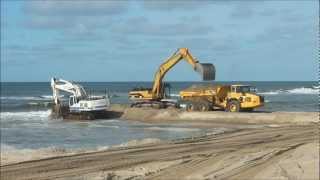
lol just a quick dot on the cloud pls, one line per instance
(73, 20)
(211, 45)
(268, 12)
(289, 25)
(283, 33)
(75, 8)
(142, 26)
(48, 22)
(17, 55)
(249, 8)
(242, 10)
(52, 14)
(168, 5)
(24, 49)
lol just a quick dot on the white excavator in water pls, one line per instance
(81, 105)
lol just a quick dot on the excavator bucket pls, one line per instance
(206, 70)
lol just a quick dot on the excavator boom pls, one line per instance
(206, 70)
(66, 86)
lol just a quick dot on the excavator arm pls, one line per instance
(207, 71)
(66, 86)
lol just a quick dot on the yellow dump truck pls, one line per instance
(232, 98)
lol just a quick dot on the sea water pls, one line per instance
(26, 125)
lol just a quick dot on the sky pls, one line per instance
(104, 40)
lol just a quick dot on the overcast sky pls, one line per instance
(127, 40)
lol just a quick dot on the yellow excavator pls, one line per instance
(156, 95)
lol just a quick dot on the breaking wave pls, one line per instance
(26, 115)
(39, 98)
(302, 90)
(176, 129)
(174, 95)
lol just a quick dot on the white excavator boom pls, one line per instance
(62, 85)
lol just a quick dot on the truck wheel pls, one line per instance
(191, 107)
(233, 106)
(203, 107)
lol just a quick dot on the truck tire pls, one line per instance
(191, 107)
(203, 106)
(233, 106)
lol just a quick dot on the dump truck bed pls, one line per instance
(205, 90)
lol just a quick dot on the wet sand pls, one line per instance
(277, 145)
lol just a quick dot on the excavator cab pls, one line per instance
(243, 89)
(72, 100)
(244, 98)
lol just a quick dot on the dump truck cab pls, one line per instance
(242, 97)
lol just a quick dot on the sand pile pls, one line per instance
(174, 115)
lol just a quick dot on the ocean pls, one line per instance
(25, 110)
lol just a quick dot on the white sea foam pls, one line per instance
(136, 142)
(103, 126)
(20, 98)
(25, 114)
(270, 92)
(42, 97)
(176, 129)
(174, 95)
(44, 104)
(49, 96)
(301, 90)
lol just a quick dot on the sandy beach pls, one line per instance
(278, 145)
